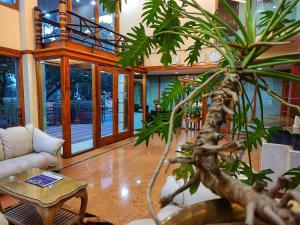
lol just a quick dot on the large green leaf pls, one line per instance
(252, 177)
(294, 178)
(151, 10)
(172, 94)
(138, 45)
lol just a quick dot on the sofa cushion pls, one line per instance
(17, 141)
(20, 164)
(1, 151)
(42, 142)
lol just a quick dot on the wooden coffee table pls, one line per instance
(43, 205)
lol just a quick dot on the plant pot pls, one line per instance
(213, 212)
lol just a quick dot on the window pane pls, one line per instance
(123, 88)
(9, 97)
(107, 20)
(9, 2)
(52, 97)
(138, 101)
(86, 9)
(50, 32)
(106, 104)
(152, 92)
(81, 95)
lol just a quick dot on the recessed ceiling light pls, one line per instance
(77, 0)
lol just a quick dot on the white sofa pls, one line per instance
(180, 201)
(22, 148)
(3, 221)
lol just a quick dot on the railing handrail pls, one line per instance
(92, 38)
(96, 24)
(50, 12)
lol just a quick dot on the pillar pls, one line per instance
(29, 65)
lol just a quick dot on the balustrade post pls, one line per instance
(38, 27)
(63, 21)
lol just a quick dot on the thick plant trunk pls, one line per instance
(255, 200)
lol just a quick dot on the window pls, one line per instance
(9, 2)
(50, 32)
(10, 107)
(108, 21)
(50, 72)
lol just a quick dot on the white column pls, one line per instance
(29, 64)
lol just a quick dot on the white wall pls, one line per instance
(131, 15)
(10, 28)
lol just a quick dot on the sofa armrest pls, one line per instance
(43, 142)
(3, 221)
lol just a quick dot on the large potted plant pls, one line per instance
(243, 61)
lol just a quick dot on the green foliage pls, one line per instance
(257, 133)
(252, 177)
(241, 52)
(294, 178)
(172, 94)
(159, 126)
(138, 45)
(111, 6)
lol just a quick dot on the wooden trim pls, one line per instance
(10, 52)
(144, 98)
(179, 67)
(40, 96)
(95, 104)
(158, 90)
(65, 103)
(27, 52)
(21, 90)
(16, 6)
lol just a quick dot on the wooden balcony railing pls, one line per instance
(64, 25)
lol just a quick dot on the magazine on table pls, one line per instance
(44, 179)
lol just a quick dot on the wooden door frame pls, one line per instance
(116, 136)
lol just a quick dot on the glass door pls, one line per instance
(115, 111)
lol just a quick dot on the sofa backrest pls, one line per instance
(1, 151)
(17, 141)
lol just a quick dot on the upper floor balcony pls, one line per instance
(61, 22)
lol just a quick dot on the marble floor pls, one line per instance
(117, 177)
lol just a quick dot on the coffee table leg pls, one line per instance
(83, 205)
(48, 215)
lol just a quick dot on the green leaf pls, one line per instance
(194, 187)
(185, 171)
(294, 178)
(172, 94)
(159, 126)
(138, 45)
(257, 132)
(151, 10)
(194, 53)
(235, 17)
(252, 177)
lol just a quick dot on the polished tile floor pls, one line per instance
(118, 175)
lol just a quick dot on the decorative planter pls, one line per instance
(214, 212)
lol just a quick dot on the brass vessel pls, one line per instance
(215, 212)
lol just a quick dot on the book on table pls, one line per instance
(44, 179)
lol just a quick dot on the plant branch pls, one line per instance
(168, 145)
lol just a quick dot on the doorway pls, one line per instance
(115, 105)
